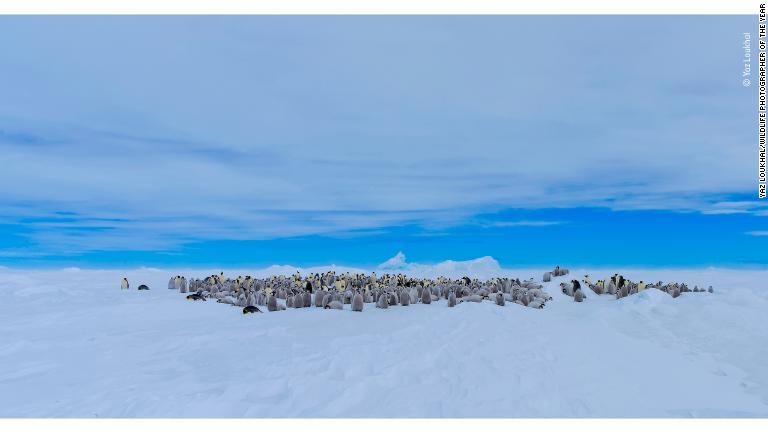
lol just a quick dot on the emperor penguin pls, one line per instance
(405, 299)
(319, 295)
(307, 299)
(251, 309)
(500, 299)
(675, 293)
(124, 284)
(641, 286)
(195, 297)
(426, 297)
(172, 283)
(578, 296)
(271, 303)
(143, 287)
(383, 301)
(335, 305)
(357, 302)
(183, 285)
(547, 276)
(451, 299)
(710, 290)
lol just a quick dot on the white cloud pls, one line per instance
(758, 233)
(257, 127)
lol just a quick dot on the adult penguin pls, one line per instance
(576, 286)
(251, 309)
(195, 297)
(357, 302)
(124, 284)
(143, 287)
(641, 286)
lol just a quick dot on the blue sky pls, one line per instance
(165, 141)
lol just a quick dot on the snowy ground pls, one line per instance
(72, 344)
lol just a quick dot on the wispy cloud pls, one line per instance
(757, 233)
(266, 127)
(528, 223)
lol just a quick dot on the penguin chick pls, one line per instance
(383, 301)
(500, 299)
(426, 297)
(405, 299)
(272, 303)
(452, 299)
(578, 296)
(335, 305)
(357, 302)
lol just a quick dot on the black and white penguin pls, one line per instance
(576, 286)
(250, 309)
(124, 284)
(143, 288)
(357, 302)
(195, 297)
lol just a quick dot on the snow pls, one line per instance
(72, 344)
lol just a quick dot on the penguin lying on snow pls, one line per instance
(193, 297)
(250, 309)
(143, 288)
(336, 304)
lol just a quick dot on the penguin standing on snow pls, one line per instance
(124, 284)
(383, 301)
(357, 302)
(500, 299)
(452, 299)
(172, 283)
(426, 297)
(272, 303)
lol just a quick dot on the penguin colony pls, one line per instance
(617, 286)
(331, 291)
(356, 291)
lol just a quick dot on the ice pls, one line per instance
(72, 344)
